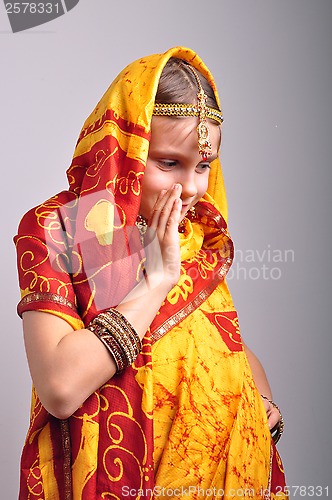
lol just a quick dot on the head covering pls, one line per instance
(123, 117)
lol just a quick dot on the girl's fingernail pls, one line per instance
(176, 186)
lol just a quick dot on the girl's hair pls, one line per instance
(177, 84)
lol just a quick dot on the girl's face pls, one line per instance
(173, 158)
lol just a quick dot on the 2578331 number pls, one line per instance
(303, 491)
(32, 8)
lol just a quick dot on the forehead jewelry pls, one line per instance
(201, 110)
(204, 144)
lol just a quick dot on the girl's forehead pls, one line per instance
(179, 129)
(167, 125)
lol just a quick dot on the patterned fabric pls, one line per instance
(185, 420)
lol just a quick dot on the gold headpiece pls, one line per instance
(186, 110)
(201, 110)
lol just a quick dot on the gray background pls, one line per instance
(272, 64)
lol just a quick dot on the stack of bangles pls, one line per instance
(118, 336)
(278, 429)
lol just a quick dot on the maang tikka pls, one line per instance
(201, 110)
(204, 144)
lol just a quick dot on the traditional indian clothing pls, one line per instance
(185, 420)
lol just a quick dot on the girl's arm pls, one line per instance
(263, 386)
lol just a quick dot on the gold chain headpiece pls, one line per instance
(201, 110)
(186, 110)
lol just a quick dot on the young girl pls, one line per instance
(142, 384)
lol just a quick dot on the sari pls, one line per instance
(185, 420)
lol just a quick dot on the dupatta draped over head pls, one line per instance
(185, 420)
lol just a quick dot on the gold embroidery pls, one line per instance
(44, 296)
(267, 492)
(57, 218)
(65, 435)
(131, 182)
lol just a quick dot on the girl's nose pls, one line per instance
(189, 189)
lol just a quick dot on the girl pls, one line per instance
(142, 384)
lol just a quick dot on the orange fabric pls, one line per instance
(186, 414)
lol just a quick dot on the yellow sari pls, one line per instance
(185, 420)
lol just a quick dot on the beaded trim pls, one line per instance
(66, 446)
(44, 297)
(186, 110)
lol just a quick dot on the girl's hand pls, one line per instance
(273, 415)
(162, 241)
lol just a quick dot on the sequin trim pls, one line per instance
(44, 297)
(65, 435)
(268, 490)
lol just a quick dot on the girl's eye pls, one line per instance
(166, 164)
(202, 167)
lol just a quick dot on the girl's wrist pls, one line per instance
(278, 429)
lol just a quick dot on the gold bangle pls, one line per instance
(111, 345)
(119, 337)
(127, 326)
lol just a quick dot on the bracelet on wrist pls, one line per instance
(119, 337)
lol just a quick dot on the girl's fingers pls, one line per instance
(153, 222)
(174, 216)
(162, 237)
(164, 207)
(273, 415)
